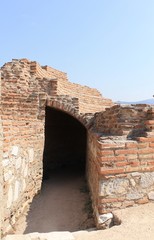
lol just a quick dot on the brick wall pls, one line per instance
(93, 172)
(126, 173)
(26, 89)
(90, 100)
(129, 120)
(120, 154)
(23, 140)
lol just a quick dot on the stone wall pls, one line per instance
(23, 140)
(125, 155)
(120, 140)
(27, 88)
(126, 173)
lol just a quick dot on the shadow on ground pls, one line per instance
(63, 204)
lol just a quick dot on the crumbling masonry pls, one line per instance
(120, 141)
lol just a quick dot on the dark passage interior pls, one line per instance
(65, 142)
(64, 203)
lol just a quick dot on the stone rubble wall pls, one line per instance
(23, 140)
(126, 170)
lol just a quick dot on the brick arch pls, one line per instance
(70, 106)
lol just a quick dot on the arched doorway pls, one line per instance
(64, 202)
(65, 141)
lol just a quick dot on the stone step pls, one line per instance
(41, 236)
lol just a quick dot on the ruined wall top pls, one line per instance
(54, 83)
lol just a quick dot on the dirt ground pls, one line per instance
(137, 224)
(62, 205)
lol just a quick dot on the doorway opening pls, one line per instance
(65, 142)
(64, 203)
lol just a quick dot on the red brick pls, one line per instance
(149, 122)
(151, 144)
(135, 164)
(131, 145)
(110, 200)
(132, 169)
(144, 139)
(128, 204)
(147, 169)
(126, 151)
(150, 163)
(145, 157)
(105, 152)
(114, 158)
(122, 164)
(106, 145)
(143, 145)
(146, 151)
(142, 201)
(105, 171)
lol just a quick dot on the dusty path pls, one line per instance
(59, 207)
(137, 224)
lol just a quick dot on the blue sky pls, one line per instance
(105, 44)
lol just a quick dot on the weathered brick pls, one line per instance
(110, 200)
(106, 171)
(144, 139)
(146, 151)
(151, 144)
(126, 151)
(112, 158)
(131, 145)
(107, 153)
(142, 201)
(122, 164)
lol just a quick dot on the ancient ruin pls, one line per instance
(116, 141)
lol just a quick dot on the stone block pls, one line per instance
(151, 195)
(10, 197)
(16, 190)
(18, 163)
(136, 174)
(147, 180)
(15, 150)
(31, 154)
(5, 162)
(26, 171)
(8, 175)
(113, 187)
(134, 195)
